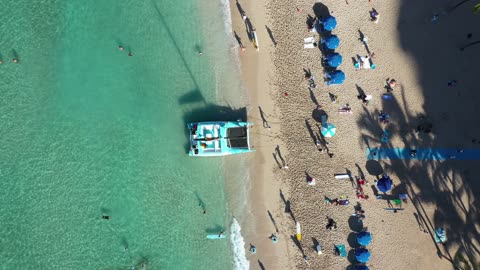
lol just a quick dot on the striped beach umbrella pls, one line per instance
(328, 130)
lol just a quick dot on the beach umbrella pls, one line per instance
(361, 267)
(329, 23)
(328, 130)
(364, 238)
(334, 59)
(362, 255)
(335, 77)
(384, 184)
(331, 42)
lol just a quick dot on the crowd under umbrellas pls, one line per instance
(331, 60)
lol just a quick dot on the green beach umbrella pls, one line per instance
(328, 130)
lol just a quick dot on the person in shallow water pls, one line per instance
(105, 217)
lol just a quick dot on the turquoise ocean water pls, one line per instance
(87, 130)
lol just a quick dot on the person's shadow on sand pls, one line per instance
(270, 34)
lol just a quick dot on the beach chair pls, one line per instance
(309, 43)
(341, 250)
(309, 40)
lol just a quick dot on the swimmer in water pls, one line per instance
(121, 48)
(105, 217)
(15, 60)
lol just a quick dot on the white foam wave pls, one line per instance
(227, 19)
(240, 261)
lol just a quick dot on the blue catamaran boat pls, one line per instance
(209, 139)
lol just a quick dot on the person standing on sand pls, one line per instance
(391, 84)
(374, 16)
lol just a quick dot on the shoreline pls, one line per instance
(263, 194)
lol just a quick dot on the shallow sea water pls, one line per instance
(89, 131)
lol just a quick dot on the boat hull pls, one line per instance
(211, 139)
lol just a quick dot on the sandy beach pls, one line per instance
(406, 45)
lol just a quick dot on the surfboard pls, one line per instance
(255, 40)
(215, 236)
(299, 232)
(341, 176)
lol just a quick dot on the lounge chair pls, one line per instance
(309, 40)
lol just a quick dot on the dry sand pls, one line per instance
(422, 56)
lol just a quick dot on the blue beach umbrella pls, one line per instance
(334, 59)
(364, 238)
(335, 77)
(329, 23)
(361, 267)
(328, 130)
(384, 184)
(331, 42)
(362, 255)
